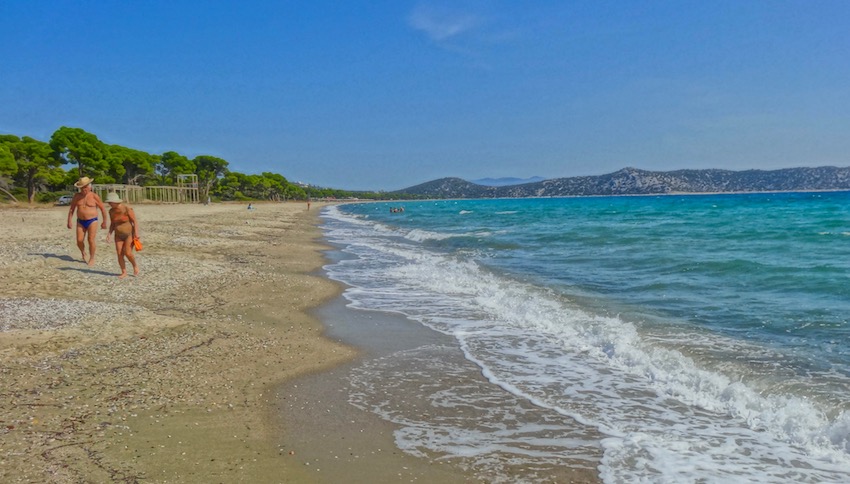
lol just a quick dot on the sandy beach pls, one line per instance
(165, 377)
(220, 362)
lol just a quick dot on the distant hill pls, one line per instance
(632, 181)
(450, 188)
(502, 182)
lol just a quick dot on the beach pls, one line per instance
(170, 376)
(272, 345)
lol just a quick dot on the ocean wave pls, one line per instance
(667, 415)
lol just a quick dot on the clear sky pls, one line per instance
(385, 94)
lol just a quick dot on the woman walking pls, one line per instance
(122, 222)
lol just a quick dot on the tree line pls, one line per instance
(40, 170)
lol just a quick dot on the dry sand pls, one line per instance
(165, 377)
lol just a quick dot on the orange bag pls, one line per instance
(137, 244)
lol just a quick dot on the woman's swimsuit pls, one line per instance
(121, 224)
(123, 231)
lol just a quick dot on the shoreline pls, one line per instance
(221, 362)
(169, 376)
(338, 442)
(361, 437)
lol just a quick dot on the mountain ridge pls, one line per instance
(505, 181)
(634, 181)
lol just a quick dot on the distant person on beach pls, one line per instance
(86, 203)
(122, 222)
(308, 204)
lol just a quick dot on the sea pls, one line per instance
(669, 339)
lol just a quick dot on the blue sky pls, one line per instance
(382, 95)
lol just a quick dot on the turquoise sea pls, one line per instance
(699, 338)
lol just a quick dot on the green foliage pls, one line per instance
(56, 179)
(267, 186)
(170, 165)
(209, 169)
(239, 196)
(7, 161)
(294, 192)
(36, 165)
(36, 168)
(50, 197)
(129, 165)
(75, 146)
(18, 192)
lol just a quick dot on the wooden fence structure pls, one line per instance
(186, 191)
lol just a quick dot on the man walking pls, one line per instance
(86, 203)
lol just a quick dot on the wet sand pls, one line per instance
(336, 438)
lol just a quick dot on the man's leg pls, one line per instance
(92, 236)
(81, 240)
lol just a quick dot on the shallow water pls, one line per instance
(705, 337)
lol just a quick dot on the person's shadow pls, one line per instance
(87, 270)
(66, 258)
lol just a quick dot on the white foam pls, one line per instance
(423, 235)
(669, 418)
(416, 235)
(445, 411)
